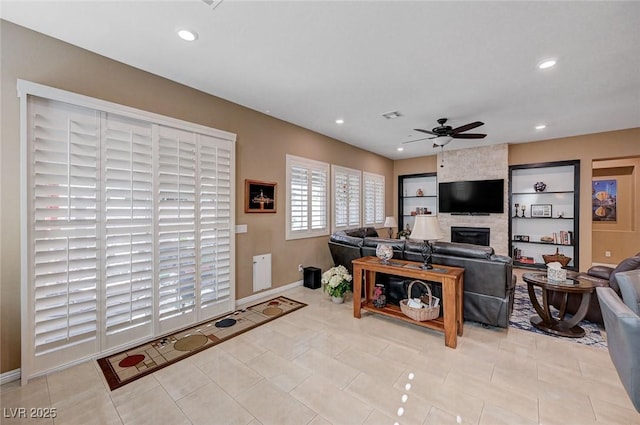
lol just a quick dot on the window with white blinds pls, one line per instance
(346, 197)
(128, 229)
(373, 199)
(307, 198)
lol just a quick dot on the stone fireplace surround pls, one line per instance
(488, 162)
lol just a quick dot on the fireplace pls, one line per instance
(472, 235)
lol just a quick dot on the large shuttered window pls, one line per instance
(373, 199)
(307, 198)
(128, 226)
(347, 194)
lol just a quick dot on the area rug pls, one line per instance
(127, 366)
(523, 310)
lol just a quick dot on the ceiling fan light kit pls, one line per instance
(443, 134)
(442, 140)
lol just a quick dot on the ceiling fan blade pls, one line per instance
(466, 127)
(417, 140)
(425, 131)
(469, 136)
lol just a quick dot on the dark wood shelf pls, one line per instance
(542, 193)
(542, 243)
(424, 196)
(556, 174)
(545, 218)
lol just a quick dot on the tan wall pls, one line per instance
(622, 236)
(586, 148)
(262, 143)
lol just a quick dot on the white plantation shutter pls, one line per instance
(128, 226)
(128, 223)
(176, 227)
(215, 226)
(373, 199)
(63, 254)
(307, 198)
(299, 198)
(346, 197)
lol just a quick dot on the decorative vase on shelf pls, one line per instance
(384, 252)
(419, 192)
(539, 186)
(337, 300)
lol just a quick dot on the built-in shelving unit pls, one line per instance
(549, 220)
(411, 202)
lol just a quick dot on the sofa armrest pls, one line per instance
(603, 272)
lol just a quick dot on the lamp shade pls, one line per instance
(390, 222)
(426, 228)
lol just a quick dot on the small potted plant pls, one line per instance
(336, 282)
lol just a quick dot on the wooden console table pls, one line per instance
(451, 278)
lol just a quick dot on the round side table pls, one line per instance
(558, 325)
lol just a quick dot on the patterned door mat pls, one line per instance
(127, 366)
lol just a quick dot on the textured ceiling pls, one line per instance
(310, 63)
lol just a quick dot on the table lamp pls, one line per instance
(427, 229)
(390, 222)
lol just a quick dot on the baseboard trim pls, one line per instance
(12, 375)
(267, 293)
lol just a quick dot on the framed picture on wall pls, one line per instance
(259, 197)
(604, 200)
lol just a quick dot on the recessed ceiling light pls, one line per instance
(400, 149)
(541, 126)
(547, 64)
(339, 121)
(187, 35)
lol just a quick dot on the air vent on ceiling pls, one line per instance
(391, 115)
(212, 3)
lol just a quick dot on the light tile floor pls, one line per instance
(321, 366)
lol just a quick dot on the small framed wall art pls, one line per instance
(541, 210)
(259, 197)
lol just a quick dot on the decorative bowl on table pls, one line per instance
(384, 252)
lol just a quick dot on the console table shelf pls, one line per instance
(394, 311)
(451, 321)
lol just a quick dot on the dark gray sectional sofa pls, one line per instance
(488, 278)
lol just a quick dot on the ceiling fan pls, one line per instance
(443, 134)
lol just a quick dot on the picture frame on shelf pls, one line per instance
(259, 196)
(541, 210)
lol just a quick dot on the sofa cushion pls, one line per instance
(396, 244)
(362, 232)
(631, 263)
(629, 283)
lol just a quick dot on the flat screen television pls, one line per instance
(471, 197)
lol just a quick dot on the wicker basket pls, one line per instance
(557, 257)
(420, 314)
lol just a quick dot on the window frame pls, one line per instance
(350, 208)
(310, 166)
(379, 199)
